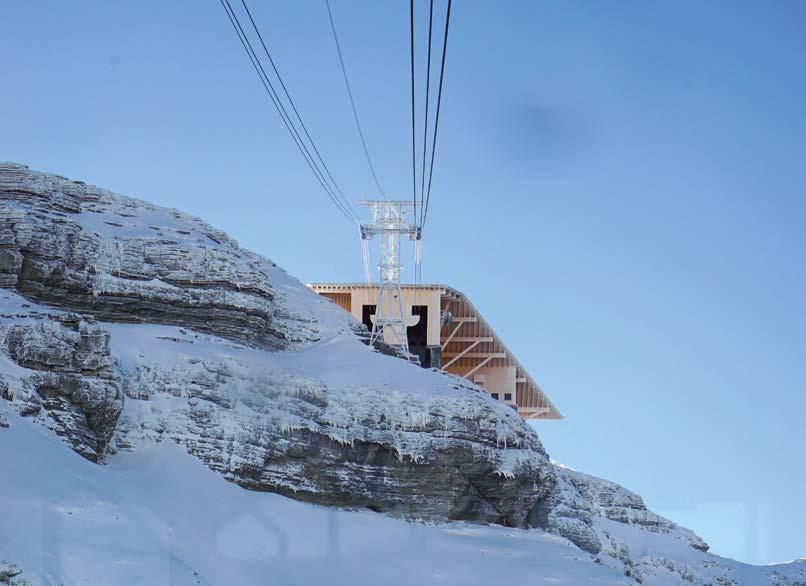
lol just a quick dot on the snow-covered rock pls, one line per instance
(139, 334)
(71, 375)
(614, 502)
(83, 248)
(123, 322)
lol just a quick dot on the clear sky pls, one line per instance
(620, 188)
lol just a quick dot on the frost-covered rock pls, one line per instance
(71, 376)
(11, 574)
(614, 525)
(123, 323)
(609, 500)
(83, 248)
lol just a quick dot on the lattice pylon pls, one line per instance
(389, 223)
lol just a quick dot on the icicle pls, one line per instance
(367, 272)
(418, 258)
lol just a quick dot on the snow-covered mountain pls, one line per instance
(123, 325)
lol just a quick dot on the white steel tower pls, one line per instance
(389, 221)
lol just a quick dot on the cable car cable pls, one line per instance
(427, 100)
(266, 82)
(352, 101)
(293, 105)
(439, 102)
(413, 131)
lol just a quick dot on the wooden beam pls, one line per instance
(464, 354)
(465, 319)
(475, 368)
(533, 412)
(520, 379)
(472, 339)
(453, 333)
(459, 355)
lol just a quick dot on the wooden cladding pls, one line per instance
(469, 346)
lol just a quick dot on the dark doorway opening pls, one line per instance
(418, 336)
(366, 312)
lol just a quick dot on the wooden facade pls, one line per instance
(458, 340)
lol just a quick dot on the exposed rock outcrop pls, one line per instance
(72, 379)
(128, 322)
(83, 248)
(612, 501)
(11, 575)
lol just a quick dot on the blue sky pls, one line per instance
(620, 188)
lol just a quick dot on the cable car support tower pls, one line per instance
(389, 221)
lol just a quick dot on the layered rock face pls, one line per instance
(266, 428)
(266, 425)
(83, 248)
(124, 322)
(612, 501)
(72, 379)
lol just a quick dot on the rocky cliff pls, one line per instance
(124, 324)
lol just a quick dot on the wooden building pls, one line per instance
(447, 332)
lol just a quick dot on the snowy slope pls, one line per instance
(159, 517)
